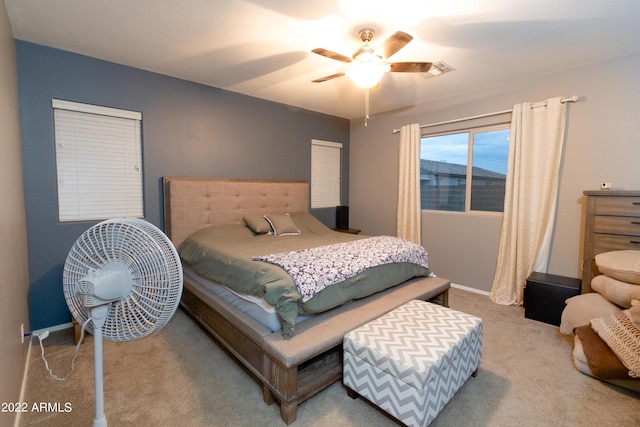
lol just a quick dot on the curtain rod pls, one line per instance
(573, 98)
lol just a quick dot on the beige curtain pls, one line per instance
(408, 214)
(537, 138)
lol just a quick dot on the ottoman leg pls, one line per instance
(351, 393)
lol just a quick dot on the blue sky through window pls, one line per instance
(489, 149)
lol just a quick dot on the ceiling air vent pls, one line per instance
(438, 68)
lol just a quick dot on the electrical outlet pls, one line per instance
(606, 185)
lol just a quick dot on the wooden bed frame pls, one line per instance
(291, 370)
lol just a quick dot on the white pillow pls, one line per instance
(616, 291)
(621, 265)
(580, 309)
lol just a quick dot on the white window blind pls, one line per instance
(325, 174)
(98, 162)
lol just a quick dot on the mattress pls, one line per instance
(255, 307)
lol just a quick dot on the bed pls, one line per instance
(292, 364)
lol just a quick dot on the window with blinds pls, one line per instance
(98, 162)
(325, 174)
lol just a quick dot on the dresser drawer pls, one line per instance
(618, 206)
(610, 242)
(623, 225)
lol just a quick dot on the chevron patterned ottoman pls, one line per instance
(411, 361)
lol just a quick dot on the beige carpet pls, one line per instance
(180, 377)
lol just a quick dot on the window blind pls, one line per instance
(325, 174)
(98, 162)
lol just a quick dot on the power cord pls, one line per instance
(44, 335)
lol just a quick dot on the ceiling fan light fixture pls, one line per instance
(367, 74)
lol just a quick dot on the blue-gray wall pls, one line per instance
(188, 130)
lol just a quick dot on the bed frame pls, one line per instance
(291, 370)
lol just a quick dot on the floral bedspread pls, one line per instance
(315, 269)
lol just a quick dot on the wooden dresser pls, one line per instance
(612, 223)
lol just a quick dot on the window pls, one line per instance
(325, 174)
(98, 162)
(449, 161)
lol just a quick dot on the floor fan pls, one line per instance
(125, 276)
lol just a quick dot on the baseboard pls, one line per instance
(23, 387)
(468, 289)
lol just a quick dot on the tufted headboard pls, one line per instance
(194, 203)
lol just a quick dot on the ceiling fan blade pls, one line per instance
(394, 43)
(324, 79)
(410, 67)
(332, 55)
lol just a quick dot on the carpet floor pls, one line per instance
(181, 377)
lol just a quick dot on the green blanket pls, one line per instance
(224, 254)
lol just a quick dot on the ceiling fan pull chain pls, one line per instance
(366, 105)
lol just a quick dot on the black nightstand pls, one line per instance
(347, 230)
(545, 294)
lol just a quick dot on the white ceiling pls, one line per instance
(262, 48)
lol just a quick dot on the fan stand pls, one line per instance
(98, 316)
(98, 284)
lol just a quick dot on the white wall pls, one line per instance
(603, 136)
(13, 240)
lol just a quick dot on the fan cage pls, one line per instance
(154, 266)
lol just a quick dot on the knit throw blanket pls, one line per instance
(315, 269)
(621, 332)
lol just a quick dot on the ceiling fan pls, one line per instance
(370, 63)
(374, 59)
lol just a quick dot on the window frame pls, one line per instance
(88, 130)
(332, 158)
(471, 130)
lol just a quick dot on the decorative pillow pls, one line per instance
(622, 336)
(580, 309)
(621, 265)
(282, 225)
(257, 223)
(617, 292)
(602, 361)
